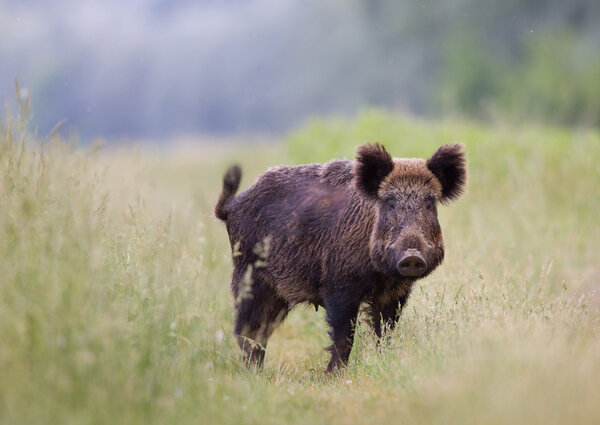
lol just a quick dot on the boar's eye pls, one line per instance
(391, 203)
(430, 203)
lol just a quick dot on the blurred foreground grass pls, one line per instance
(115, 304)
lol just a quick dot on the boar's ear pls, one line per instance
(373, 164)
(448, 164)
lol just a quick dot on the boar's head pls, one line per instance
(407, 239)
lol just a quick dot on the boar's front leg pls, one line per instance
(341, 317)
(385, 315)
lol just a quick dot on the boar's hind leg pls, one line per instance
(341, 317)
(256, 319)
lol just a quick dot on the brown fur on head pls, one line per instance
(406, 192)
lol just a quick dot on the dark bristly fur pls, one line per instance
(373, 163)
(338, 235)
(448, 164)
(231, 183)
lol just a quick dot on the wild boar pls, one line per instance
(337, 235)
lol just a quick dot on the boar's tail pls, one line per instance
(231, 183)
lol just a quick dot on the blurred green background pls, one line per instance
(163, 70)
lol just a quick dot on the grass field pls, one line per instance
(115, 304)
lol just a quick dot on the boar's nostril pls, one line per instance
(412, 265)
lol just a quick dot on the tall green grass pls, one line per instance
(115, 306)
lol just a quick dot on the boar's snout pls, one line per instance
(412, 264)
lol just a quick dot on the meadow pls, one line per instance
(115, 305)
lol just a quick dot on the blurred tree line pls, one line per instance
(162, 68)
(516, 59)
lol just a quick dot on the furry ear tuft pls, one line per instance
(373, 164)
(449, 165)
